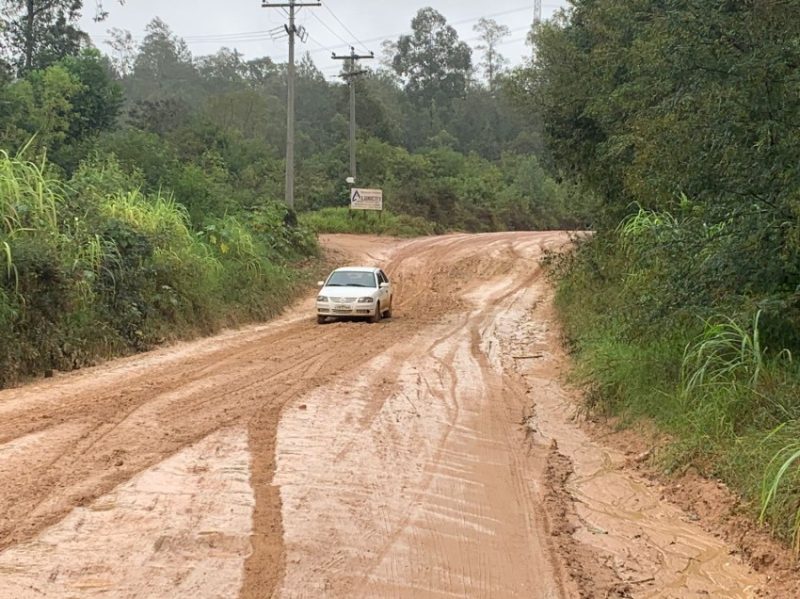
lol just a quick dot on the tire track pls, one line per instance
(127, 416)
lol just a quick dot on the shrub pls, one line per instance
(344, 220)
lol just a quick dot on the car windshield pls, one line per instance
(351, 278)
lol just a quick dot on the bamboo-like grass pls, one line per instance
(28, 197)
(725, 352)
(783, 471)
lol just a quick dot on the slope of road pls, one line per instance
(432, 455)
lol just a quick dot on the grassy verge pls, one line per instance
(92, 268)
(730, 404)
(344, 220)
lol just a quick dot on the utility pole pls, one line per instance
(291, 30)
(537, 20)
(350, 75)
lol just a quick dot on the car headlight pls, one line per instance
(322, 298)
(365, 300)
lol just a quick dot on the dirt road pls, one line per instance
(431, 455)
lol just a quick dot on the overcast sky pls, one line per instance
(208, 25)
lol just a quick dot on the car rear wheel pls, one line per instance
(377, 316)
(388, 313)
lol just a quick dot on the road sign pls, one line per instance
(366, 199)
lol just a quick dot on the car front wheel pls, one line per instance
(377, 316)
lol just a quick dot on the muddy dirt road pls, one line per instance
(431, 455)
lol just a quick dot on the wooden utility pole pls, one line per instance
(350, 75)
(291, 30)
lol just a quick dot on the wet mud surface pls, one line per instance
(435, 454)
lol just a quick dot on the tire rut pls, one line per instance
(128, 418)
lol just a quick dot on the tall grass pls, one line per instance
(729, 403)
(92, 268)
(159, 216)
(28, 197)
(8, 258)
(779, 490)
(644, 222)
(725, 353)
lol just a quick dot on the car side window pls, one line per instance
(382, 276)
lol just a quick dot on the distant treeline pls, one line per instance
(211, 131)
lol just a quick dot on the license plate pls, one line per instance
(342, 308)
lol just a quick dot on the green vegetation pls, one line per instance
(130, 272)
(344, 220)
(683, 119)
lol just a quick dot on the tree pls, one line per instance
(5, 72)
(691, 109)
(491, 34)
(162, 53)
(388, 52)
(40, 32)
(163, 65)
(97, 104)
(37, 33)
(224, 70)
(260, 71)
(380, 105)
(123, 48)
(158, 116)
(60, 110)
(39, 107)
(433, 64)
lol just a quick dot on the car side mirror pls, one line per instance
(384, 285)
(320, 283)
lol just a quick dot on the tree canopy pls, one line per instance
(432, 62)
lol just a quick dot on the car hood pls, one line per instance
(348, 291)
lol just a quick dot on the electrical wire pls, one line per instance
(259, 37)
(251, 36)
(327, 7)
(325, 25)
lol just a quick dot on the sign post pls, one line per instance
(366, 199)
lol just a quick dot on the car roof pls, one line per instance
(358, 269)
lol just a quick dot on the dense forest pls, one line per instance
(142, 188)
(683, 118)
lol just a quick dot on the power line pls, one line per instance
(192, 38)
(325, 25)
(320, 48)
(256, 36)
(338, 20)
